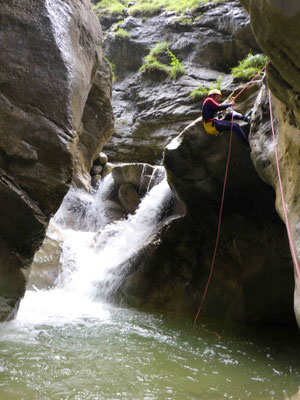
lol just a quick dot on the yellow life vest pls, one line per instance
(210, 128)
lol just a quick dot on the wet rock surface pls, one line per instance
(253, 279)
(47, 264)
(247, 252)
(151, 108)
(49, 58)
(269, 20)
(98, 121)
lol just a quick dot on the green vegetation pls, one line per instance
(113, 7)
(249, 66)
(152, 64)
(177, 67)
(201, 92)
(117, 25)
(160, 48)
(148, 7)
(121, 33)
(174, 69)
(112, 68)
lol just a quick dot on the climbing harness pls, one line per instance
(222, 203)
(281, 192)
(210, 128)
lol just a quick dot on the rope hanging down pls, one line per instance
(222, 202)
(281, 192)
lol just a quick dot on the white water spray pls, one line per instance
(99, 257)
(95, 253)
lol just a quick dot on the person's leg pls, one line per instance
(222, 125)
(236, 115)
(240, 134)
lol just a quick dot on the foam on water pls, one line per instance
(92, 257)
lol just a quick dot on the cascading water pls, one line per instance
(100, 257)
(96, 253)
(69, 343)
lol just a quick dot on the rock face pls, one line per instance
(248, 252)
(253, 278)
(47, 264)
(97, 123)
(50, 53)
(151, 108)
(269, 20)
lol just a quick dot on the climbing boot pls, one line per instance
(247, 117)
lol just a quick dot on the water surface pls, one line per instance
(58, 348)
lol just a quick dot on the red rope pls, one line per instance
(281, 192)
(219, 224)
(249, 83)
(222, 203)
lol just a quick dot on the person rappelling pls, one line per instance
(213, 125)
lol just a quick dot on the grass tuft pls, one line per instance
(152, 64)
(148, 7)
(112, 7)
(249, 66)
(112, 68)
(160, 48)
(174, 69)
(177, 67)
(201, 92)
(122, 34)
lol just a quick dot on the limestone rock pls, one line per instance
(247, 250)
(128, 197)
(131, 173)
(269, 20)
(276, 28)
(95, 179)
(288, 145)
(102, 158)
(46, 264)
(49, 57)
(96, 170)
(97, 123)
(150, 112)
(107, 169)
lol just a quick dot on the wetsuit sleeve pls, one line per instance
(210, 107)
(224, 106)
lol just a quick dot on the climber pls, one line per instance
(214, 125)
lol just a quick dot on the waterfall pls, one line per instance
(96, 253)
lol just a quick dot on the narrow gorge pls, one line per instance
(111, 192)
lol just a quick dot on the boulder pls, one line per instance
(107, 169)
(129, 197)
(95, 180)
(131, 173)
(252, 279)
(102, 159)
(96, 170)
(49, 58)
(47, 263)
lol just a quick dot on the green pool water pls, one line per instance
(61, 347)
